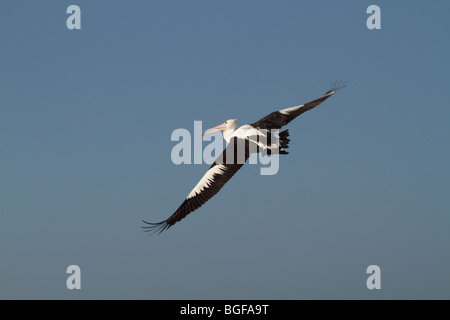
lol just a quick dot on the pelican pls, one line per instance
(256, 137)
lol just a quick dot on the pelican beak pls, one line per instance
(221, 127)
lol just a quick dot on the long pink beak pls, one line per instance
(221, 127)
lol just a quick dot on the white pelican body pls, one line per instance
(258, 136)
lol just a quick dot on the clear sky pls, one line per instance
(86, 118)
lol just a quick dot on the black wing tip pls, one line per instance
(157, 227)
(336, 86)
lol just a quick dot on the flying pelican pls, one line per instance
(256, 137)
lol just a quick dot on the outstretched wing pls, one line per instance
(278, 119)
(225, 166)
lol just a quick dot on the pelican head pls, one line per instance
(228, 126)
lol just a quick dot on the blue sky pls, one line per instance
(86, 118)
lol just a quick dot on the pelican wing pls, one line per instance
(278, 119)
(225, 166)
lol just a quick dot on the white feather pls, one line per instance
(291, 109)
(207, 179)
